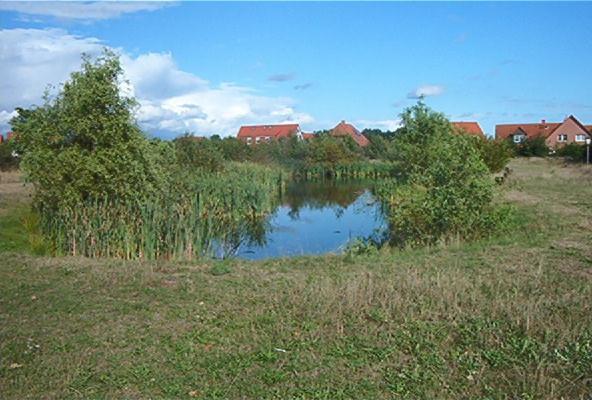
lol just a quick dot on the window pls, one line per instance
(268, 138)
(562, 138)
(519, 138)
(257, 139)
(249, 140)
(580, 138)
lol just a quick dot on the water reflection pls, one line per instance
(312, 218)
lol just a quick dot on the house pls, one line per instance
(471, 128)
(256, 134)
(1, 138)
(555, 133)
(344, 129)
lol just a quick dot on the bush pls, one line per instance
(198, 153)
(233, 149)
(573, 151)
(532, 147)
(495, 153)
(84, 143)
(445, 189)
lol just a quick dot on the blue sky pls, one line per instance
(210, 67)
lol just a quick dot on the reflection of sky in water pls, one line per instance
(317, 230)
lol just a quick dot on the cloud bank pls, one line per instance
(172, 101)
(425, 91)
(383, 125)
(78, 10)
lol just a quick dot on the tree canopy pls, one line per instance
(84, 141)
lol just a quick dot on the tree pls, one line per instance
(84, 143)
(444, 189)
(198, 153)
(532, 147)
(495, 153)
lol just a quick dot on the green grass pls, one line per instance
(509, 317)
(13, 235)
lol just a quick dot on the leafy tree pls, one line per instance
(422, 129)
(378, 147)
(85, 143)
(495, 153)
(444, 188)
(573, 151)
(198, 153)
(532, 147)
(234, 149)
(329, 150)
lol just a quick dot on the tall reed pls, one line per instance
(196, 215)
(353, 170)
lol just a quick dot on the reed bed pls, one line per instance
(201, 214)
(354, 170)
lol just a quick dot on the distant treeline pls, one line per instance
(323, 156)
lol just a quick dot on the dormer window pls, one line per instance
(519, 138)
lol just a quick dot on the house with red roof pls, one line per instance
(255, 134)
(344, 129)
(556, 134)
(471, 128)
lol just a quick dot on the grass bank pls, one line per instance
(508, 317)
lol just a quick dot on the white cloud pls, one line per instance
(425, 91)
(78, 10)
(30, 59)
(384, 125)
(172, 101)
(5, 117)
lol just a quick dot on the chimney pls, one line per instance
(343, 121)
(543, 121)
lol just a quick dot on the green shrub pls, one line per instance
(445, 189)
(84, 142)
(573, 151)
(495, 153)
(198, 153)
(532, 147)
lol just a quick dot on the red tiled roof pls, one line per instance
(471, 128)
(345, 129)
(273, 131)
(542, 128)
(588, 128)
(307, 136)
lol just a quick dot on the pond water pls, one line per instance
(317, 218)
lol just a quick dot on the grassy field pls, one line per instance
(505, 318)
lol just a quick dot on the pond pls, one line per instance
(317, 218)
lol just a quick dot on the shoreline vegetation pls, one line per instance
(102, 189)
